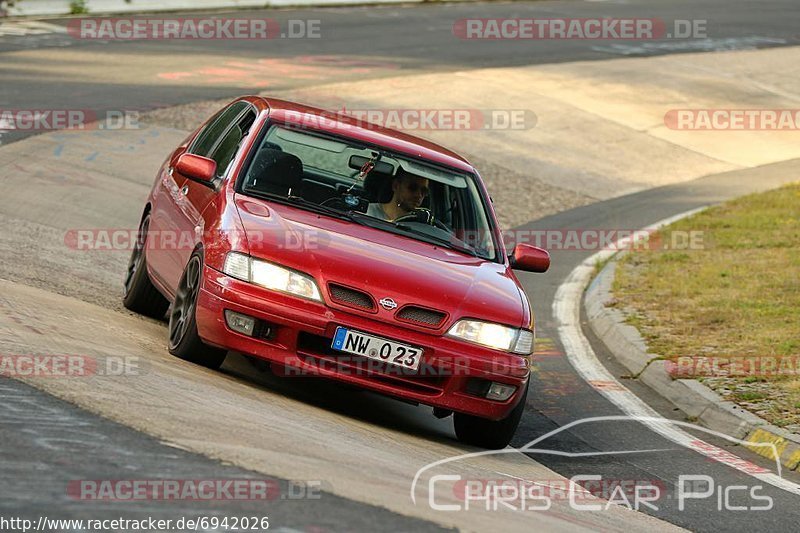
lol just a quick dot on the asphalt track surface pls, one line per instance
(47, 443)
(31, 420)
(563, 397)
(416, 39)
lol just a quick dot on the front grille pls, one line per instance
(420, 315)
(351, 297)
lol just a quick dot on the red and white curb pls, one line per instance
(567, 313)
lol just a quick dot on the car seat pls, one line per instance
(378, 187)
(275, 172)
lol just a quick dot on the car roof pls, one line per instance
(338, 123)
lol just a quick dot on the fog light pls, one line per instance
(240, 323)
(477, 387)
(500, 392)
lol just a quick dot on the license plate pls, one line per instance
(366, 345)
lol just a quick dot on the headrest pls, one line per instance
(276, 168)
(378, 187)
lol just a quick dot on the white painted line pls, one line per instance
(30, 27)
(13, 30)
(38, 24)
(97, 7)
(702, 45)
(43, 27)
(567, 313)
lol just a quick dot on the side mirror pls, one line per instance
(530, 258)
(197, 168)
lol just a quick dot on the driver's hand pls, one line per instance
(424, 215)
(419, 214)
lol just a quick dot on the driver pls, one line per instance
(408, 192)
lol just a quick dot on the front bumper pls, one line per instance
(301, 334)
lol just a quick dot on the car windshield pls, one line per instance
(370, 186)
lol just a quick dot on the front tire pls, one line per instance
(489, 434)
(141, 296)
(184, 341)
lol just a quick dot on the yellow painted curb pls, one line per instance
(793, 460)
(788, 451)
(761, 436)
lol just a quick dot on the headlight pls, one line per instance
(271, 276)
(494, 336)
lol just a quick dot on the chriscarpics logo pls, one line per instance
(447, 485)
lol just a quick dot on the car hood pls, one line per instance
(382, 264)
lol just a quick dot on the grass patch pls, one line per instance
(750, 396)
(736, 292)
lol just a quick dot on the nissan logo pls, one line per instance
(388, 303)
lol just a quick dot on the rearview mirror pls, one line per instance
(529, 258)
(197, 168)
(381, 167)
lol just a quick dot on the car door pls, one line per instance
(196, 196)
(160, 254)
(164, 256)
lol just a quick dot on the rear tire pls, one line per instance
(490, 434)
(184, 342)
(141, 296)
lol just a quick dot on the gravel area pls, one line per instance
(517, 198)
(183, 117)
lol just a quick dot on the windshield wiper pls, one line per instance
(368, 220)
(433, 239)
(405, 228)
(302, 202)
(324, 209)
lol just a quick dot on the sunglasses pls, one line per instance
(414, 187)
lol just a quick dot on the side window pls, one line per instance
(208, 138)
(225, 150)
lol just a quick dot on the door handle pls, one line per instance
(185, 190)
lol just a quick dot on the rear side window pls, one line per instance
(225, 150)
(207, 139)
(221, 138)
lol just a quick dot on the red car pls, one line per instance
(336, 248)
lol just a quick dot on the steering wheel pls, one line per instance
(423, 216)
